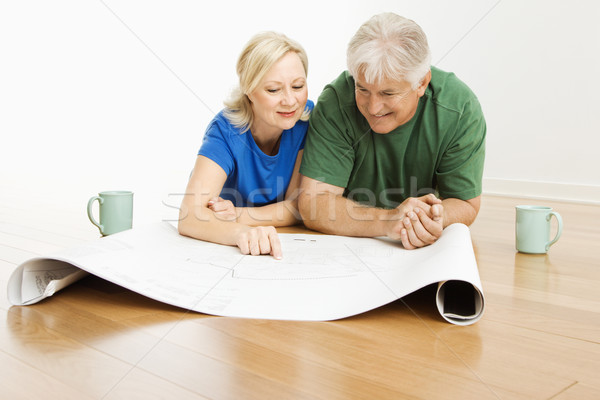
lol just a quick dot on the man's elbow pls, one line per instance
(475, 205)
(471, 210)
(306, 210)
(460, 211)
(471, 218)
(312, 216)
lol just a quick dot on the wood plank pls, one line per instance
(578, 391)
(42, 235)
(212, 378)
(27, 244)
(103, 326)
(97, 297)
(408, 361)
(14, 255)
(105, 336)
(21, 381)
(141, 385)
(44, 216)
(91, 372)
(6, 269)
(524, 360)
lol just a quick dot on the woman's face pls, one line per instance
(280, 98)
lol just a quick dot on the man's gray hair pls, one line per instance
(389, 46)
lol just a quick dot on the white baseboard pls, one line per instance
(589, 194)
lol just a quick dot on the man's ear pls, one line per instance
(424, 82)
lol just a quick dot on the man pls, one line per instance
(386, 135)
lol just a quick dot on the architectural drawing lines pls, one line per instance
(371, 271)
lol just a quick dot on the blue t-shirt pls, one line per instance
(253, 178)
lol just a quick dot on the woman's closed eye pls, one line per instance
(277, 90)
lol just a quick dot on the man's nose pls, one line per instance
(375, 105)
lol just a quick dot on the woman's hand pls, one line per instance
(223, 209)
(250, 240)
(259, 240)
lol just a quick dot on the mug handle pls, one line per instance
(559, 231)
(91, 215)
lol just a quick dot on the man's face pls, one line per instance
(388, 104)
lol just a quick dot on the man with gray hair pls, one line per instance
(388, 135)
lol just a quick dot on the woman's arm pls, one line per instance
(197, 220)
(283, 213)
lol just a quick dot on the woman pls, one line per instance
(245, 180)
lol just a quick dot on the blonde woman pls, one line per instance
(245, 180)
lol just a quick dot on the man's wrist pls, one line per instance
(384, 214)
(386, 220)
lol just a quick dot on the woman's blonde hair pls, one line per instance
(258, 56)
(389, 46)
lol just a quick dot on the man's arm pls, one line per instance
(324, 208)
(462, 211)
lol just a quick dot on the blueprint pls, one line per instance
(321, 277)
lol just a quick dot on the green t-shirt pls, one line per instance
(441, 149)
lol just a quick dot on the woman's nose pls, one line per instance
(288, 98)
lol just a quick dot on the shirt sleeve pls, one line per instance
(216, 146)
(328, 152)
(303, 125)
(460, 171)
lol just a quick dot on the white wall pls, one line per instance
(116, 94)
(533, 65)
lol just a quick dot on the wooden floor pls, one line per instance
(538, 339)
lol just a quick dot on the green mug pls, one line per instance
(116, 211)
(532, 229)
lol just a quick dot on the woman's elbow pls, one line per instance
(183, 226)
